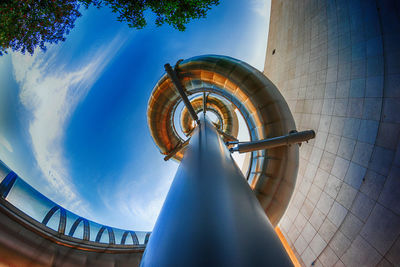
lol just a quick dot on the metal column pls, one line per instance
(211, 217)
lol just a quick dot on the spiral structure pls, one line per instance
(225, 84)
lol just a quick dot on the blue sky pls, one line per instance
(73, 119)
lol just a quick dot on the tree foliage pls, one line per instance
(28, 24)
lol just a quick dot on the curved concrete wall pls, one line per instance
(337, 63)
(24, 247)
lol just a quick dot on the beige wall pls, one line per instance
(337, 63)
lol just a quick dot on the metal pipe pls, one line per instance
(291, 138)
(174, 78)
(211, 216)
(204, 102)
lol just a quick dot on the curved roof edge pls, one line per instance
(273, 173)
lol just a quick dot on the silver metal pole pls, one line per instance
(211, 216)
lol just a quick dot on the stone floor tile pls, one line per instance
(315, 157)
(355, 108)
(328, 258)
(298, 199)
(308, 232)
(372, 109)
(308, 256)
(340, 108)
(384, 263)
(361, 253)
(337, 214)
(373, 184)
(327, 161)
(325, 122)
(343, 89)
(327, 230)
(320, 139)
(321, 178)
(339, 263)
(300, 244)
(381, 229)
(390, 195)
(293, 233)
(355, 175)
(362, 206)
(357, 88)
(307, 208)
(381, 160)
(340, 167)
(325, 203)
(311, 169)
(333, 185)
(346, 195)
(351, 226)
(393, 255)
(339, 243)
(362, 153)
(314, 193)
(316, 219)
(351, 127)
(300, 221)
(332, 143)
(337, 123)
(346, 148)
(368, 131)
(374, 86)
(317, 244)
(388, 134)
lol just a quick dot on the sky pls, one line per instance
(73, 119)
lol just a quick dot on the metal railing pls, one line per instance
(25, 204)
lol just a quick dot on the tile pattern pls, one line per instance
(337, 63)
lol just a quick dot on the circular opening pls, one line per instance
(242, 160)
(212, 116)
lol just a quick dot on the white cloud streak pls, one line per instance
(261, 7)
(262, 10)
(51, 94)
(4, 142)
(138, 199)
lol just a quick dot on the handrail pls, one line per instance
(13, 190)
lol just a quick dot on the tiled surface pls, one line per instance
(337, 63)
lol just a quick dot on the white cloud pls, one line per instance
(259, 39)
(261, 7)
(138, 199)
(51, 94)
(4, 142)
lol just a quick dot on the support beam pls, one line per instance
(204, 102)
(291, 138)
(176, 150)
(227, 137)
(174, 78)
(211, 216)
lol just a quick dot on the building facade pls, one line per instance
(337, 63)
